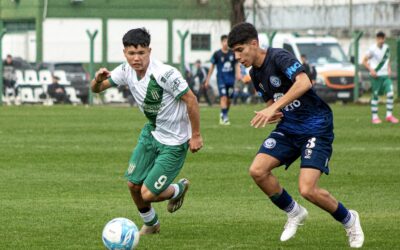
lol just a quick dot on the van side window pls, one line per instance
(289, 48)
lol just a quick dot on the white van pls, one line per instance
(335, 73)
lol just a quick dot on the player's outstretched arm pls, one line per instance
(196, 142)
(100, 81)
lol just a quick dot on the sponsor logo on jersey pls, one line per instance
(152, 108)
(291, 106)
(269, 143)
(227, 67)
(277, 96)
(163, 79)
(275, 81)
(259, 93)
(168, 74)
(176, 83)
(292, 69)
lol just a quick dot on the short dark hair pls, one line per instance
(380, 34)
(241, 33)
(136, 37)
(223, 37)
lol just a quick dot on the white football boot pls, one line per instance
(293, 222)
(355, 232)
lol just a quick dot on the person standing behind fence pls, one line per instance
(227, 69)
(309, 69)
(377, 61)
(201, 74)
(9, 76)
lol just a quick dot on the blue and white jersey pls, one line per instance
(308, 114)
(225, 63)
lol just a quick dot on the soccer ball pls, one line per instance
(121, 234)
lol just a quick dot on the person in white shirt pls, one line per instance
(377, 61)
(173, 126)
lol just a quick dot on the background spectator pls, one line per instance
(310, 69)
(9, 77)
(57, 91)
(201, 75)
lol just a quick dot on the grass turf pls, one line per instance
(61, 180)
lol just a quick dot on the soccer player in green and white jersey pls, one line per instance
(377, 61)
(174, 126)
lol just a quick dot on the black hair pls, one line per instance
(136, 37)
(242, 33)
(223, 37)
(380, 34)
(303, 55)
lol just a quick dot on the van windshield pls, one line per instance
(322, 53)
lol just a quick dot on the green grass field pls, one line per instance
(61, 180)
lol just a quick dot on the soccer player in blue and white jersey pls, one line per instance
(227, 72)
(305, 129)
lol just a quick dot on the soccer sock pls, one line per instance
(178, 187)
(150, 218)
(343, 216)
(389, 104)
(224, 113)
(144, 210)
(285, 202)
(374, 107)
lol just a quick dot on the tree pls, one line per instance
(237, 15)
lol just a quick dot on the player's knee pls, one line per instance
(307, 192)
(257, 172)
(147, 195)
(134, 187)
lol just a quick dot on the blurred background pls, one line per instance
(70, 39)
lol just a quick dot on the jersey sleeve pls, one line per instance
(117, 77)
(174, 83)
(370, 52)
(214, 58)
(288, 64)
(256, 83)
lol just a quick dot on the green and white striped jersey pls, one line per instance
(158, 96)
(379, 59)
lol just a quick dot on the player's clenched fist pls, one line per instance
(102, 74)
(195, 143)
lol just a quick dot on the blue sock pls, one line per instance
(224, 113)
(284, 201)
(342, 214)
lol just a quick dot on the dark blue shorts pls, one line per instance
(225, 89)
(315, 151)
